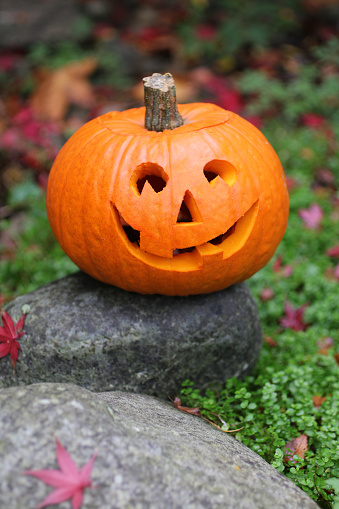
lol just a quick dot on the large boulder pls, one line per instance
(103, 338)
(149, 454)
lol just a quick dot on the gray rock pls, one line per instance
(103, 338)
(150, 455)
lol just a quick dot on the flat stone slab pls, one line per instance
(103, 338)
(149, 454)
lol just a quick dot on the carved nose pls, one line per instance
(189, 211)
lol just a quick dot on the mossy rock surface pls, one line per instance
(103, 338)
(149, 454)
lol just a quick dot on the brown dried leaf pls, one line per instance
(318, 400)
(177, 403)
(297, 447)
(57, 89)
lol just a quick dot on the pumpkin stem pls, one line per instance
(160, 101)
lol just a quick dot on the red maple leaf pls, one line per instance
(9, 334)
(68, 481)
(312, 216)
(294, 318)
(296, 447)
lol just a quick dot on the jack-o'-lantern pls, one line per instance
(184, 210)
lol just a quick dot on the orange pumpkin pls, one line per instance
(184, 211)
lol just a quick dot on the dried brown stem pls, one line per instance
(160, 101)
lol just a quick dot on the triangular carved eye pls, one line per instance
(152, 173)
(189, 211)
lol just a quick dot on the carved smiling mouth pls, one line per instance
(221, 247)
(134, 237)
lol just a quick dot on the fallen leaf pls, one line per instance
(196, 411)
(206, 32)
(336, 356)
(177, 403)
(333, 252)
(270, 341)
(284, 270)
(324, 344)
(325, 178)
(9, 334)
(291, 183)
(266, 294)
(68, 481)
(312, 216)
(277, 264)
(296, 447)
(332, 273)
(318, 400)
(294, 318)
(59, 88)
(312, 120)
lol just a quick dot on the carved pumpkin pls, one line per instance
(184, 211)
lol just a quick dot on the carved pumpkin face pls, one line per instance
(178, 212)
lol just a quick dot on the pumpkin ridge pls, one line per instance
(66, 176)
(276, 178)
(87, 184)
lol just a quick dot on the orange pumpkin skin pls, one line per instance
(93, 194)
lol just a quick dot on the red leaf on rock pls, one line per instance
(9, 334)
(296, 447)
(294, 318)
(68, 481)
(312, 216)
